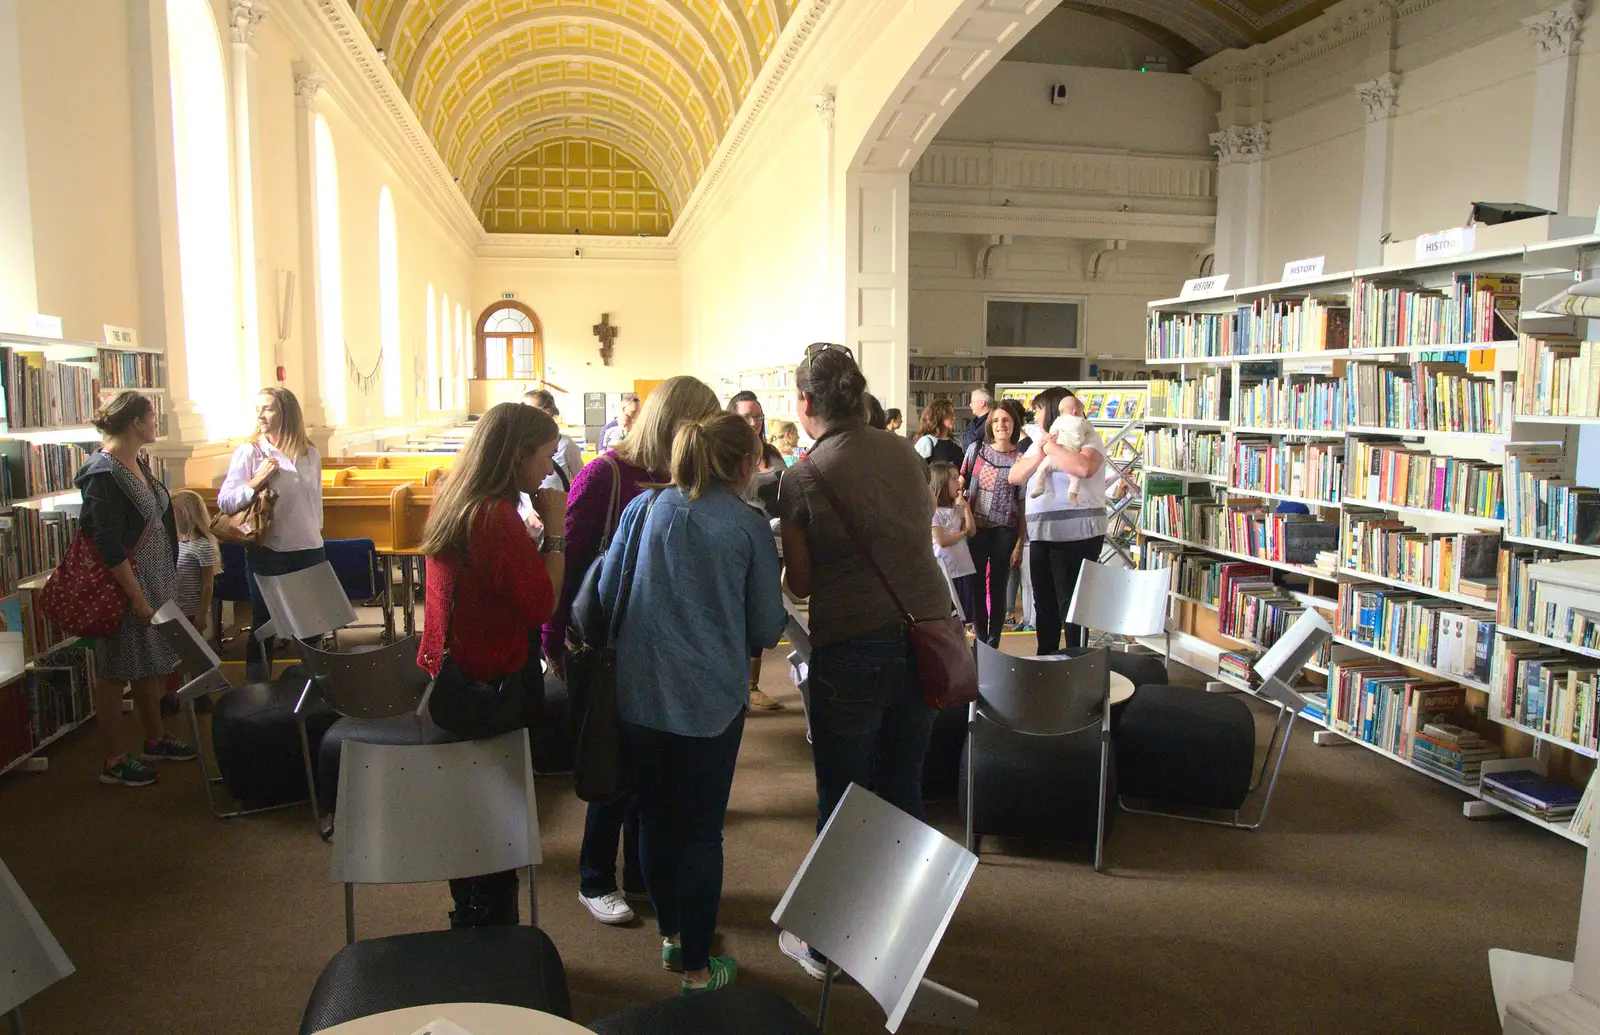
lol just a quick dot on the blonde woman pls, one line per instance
(490, 588)
(280, 456)
(642, 459)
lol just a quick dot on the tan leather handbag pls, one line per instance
(249, 526)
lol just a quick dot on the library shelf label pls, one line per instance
(1457, 240)
(42, 326)
(121, 337)
(1301, 269)
(1204, 286)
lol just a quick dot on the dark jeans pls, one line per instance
(683, 797)
(603, 827)
(869, 724)
(991, 552)
(1054, 568)
(261, 561)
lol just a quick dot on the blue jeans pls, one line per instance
(869, 724)
(683, 798)
(603, 827)
(261, 561)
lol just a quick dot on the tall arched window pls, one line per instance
(330, 273)
(448, 390)
(389, 304)
(432, 324)
(206, 255)
(509, 343)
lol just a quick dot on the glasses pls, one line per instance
(817, 348)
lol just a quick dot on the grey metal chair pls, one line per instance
(1128, 602)
(1035, 697)
(31, 960)
(874, 895)
(799, 637)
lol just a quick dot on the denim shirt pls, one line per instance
(705, 596)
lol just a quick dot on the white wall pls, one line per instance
(1068, 36)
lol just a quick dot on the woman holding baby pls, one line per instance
(1064, 497)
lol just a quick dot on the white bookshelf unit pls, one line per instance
(1428, 438)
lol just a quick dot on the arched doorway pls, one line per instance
(509, 344)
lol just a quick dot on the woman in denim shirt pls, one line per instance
(704, 594)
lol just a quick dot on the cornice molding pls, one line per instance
(1381, 96)
(517, 250)
(1338, 26)
(307, 86)
(1083, 224)
(245, 18)
(1556, 32)
(1242, 145)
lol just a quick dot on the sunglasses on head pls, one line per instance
(817, 348)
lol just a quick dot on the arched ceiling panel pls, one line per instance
(581, 127)
(566, 184)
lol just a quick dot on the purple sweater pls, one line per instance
(588, 503)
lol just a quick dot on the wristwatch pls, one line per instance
(553, 544)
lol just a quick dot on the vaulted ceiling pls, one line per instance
(495, 82)
(1211, 26)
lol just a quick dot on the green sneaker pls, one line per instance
(671, 957)
(129, 772)
(723, 971)
(167, 749)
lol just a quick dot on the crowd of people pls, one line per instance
(701, 525)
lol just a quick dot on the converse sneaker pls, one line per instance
(723, 970)
(800, 952)
(610, 908)
(129, 772)
(168, 749)
(671, 955)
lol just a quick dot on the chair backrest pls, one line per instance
(306, 603)
(1297, 645)
(31, 959)
(370, 683)
(1043, 697)
(1124, 601)
(435, 812)
(196, 660)
(355, 562)
(875, 895)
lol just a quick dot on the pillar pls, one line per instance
(1555, 35)
(305, 364)
(19, 291)
(1379, 96)
(1241, 200)
(877, 281)
(244, 21)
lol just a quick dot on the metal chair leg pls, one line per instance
(827, 991)
(15, 1016)
(972, 806)
(1105, 767)
(533, 897)
(349, 914)
(311, 775)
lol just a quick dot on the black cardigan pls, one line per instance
(110, 516)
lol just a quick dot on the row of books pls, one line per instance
(1455, 640)
(777, 377)
(970, 372)
(1461, 562)
(1239, 526)
(132, 369)
(1190, 335)
(1544, 503)
(42, 392)
(922, 398)
(1524, 605)
(1425, 396)
(1186, 449)
(1387, 472)
(1558, 377)
(1308, 403)
(1203, 397)
(1547, 690)
(1308, 470)
(1239, 665)
(1293, 323)
(31, 542)
(1255, 609)
(1112, 406)
(1394, 312)
(36, 706)
(1535, 795)
(1197, 576)
(33, 469)
(1382, 704)
(1450, 751)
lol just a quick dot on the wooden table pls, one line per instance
(474, 1018)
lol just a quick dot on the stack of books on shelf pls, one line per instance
(34, 542)
(1112, 407)
(1195, 575)
(1523, 604)
(1300, 401)
(1538, 796)
(1546, 690)
(960, 373)
(1239, 665)
(1185, 449)
(33, 469)
(1449, 638)
(131, 370)
(1558, 376)
(1448, 750)
(1378, 703)
(1255, 610)
(54, 695)
(1463, 562)
(1190, 335)
(1393, 312)
(1384, 472)
(1306, 470)
(1424, 396)
(1544, 504)
(1293, 323)
(1249, 528)
(42, 392)
(1196, 398)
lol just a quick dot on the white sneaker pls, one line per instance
(610, 908)
(798, 951)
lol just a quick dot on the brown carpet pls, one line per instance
(1365, 905)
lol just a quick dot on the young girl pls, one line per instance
(953, 525)
(788, 442)
(198, 564)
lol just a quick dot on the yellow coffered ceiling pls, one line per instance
(495, 82)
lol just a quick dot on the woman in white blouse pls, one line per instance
(280, 455)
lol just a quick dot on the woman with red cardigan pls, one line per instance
(643, 458)
(491, 587)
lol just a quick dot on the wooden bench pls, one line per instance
(335, 476)
(387, 479)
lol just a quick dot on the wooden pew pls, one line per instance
(389, 479)
(335, 476)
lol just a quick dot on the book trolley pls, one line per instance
(1395, 448)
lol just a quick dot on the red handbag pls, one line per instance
(82, 597)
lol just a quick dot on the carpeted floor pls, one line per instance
(1365, 905)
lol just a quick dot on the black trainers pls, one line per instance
(129, 772)
(168, 749)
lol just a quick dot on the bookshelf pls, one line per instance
(954, 377)
(774, 386)
(1430, 440)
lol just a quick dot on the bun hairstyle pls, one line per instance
(120, 412)
(711, 451)
(835, 385)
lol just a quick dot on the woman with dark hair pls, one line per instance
(127, 512)
(280, 456)
(893, 420)
(997, 504)
(936, 434)
(1066, 518)
(869, 723)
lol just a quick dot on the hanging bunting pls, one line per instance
(365, 382)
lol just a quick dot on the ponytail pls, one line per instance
(710, 451)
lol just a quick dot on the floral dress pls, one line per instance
(135, 650)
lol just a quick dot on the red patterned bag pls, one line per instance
(82, 596)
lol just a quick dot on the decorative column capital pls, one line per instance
(1380, 96)
(825, 104)
(1242, 145)
(1555, 32)
(245, 18)
(307, 85)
